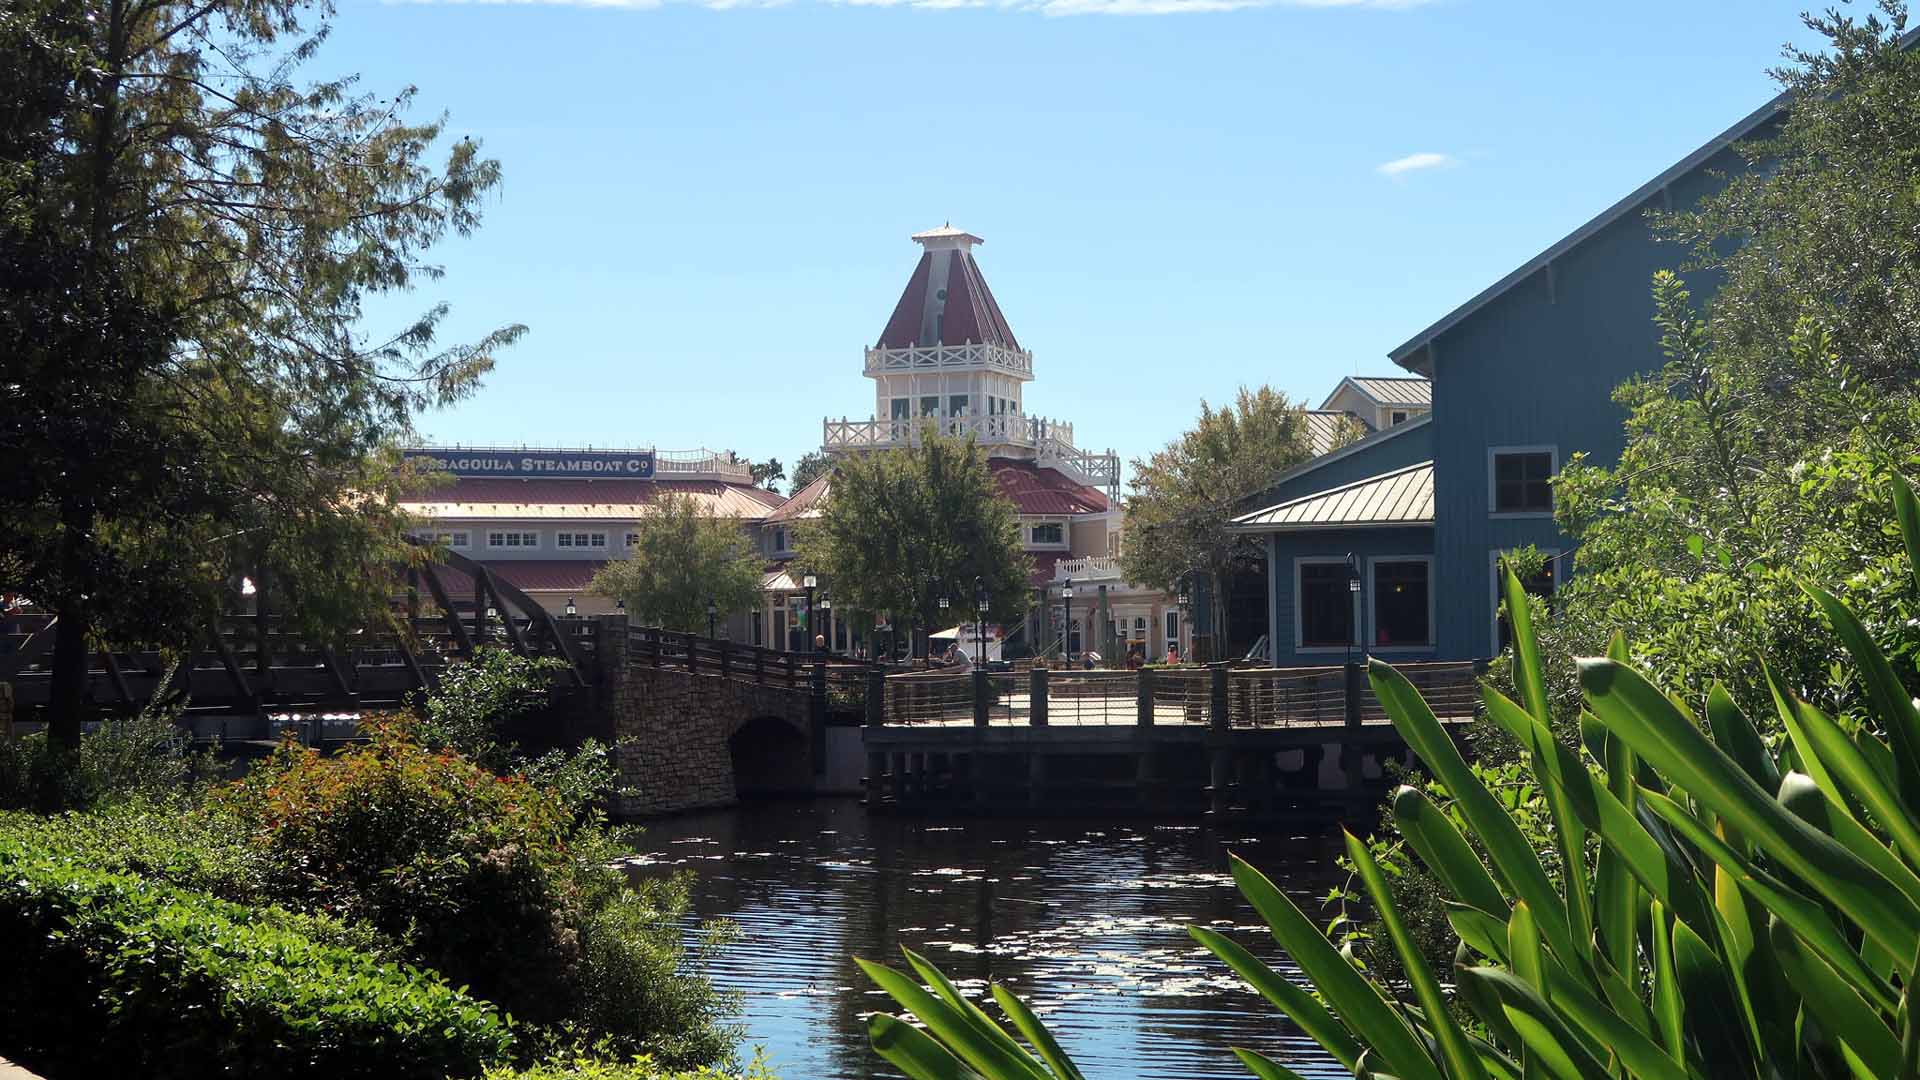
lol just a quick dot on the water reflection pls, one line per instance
(1087, 921)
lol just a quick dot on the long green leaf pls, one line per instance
(1485, 932)
(1737, 736)
(913, 1051)
(1890, 701)
(1641, 1055)
(1298, 1004)
(952, 1029)
(1616, 894)
(1264, 1067)
(1445, 851)
(1569, 835)
(1373, 1020)
(1549, 1043)
(1631, 707)
(1036, 1033)
(1805, 916)
(971, 1013)
(1848, 766)
(1514, 861)
(1842, 1012)
(1802, 796)
(1720, 1040)
(1666, 987)
(1907, 511)
(1529, 674)
(1462, 1062)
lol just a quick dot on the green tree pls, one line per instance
(188, 394)
(681, 558)
(767, 473)
(1183, 496)
(1760, 453)
(812, 464)
(905, 527)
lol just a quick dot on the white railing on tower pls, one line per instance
(1051, 441)
(1017, 362)
(1087, 568)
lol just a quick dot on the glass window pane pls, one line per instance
(1400, 615)
(1325, 605)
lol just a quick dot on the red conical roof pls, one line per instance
(946, 301)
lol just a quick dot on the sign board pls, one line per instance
(521, 464)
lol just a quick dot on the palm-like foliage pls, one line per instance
(1725, 909)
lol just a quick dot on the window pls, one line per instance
(1325, 605)
(1050, 533)
(993, 406)
(632, 539)
(459, 541)
(930, 405)
(756, 626)
(1173, 629)
(1543, 583)
(597, 541)
(513, 539)
(1140, 628)
(1521, 481)
(1397, 417)
(1073, 636)
(779, 539)
(956, 404)
(1402, 603)
(901, 408)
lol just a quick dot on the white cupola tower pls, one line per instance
(947, 356)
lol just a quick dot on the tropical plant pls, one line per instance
(1725, 907)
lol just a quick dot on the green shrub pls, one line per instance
(1724, 908)
(500, 883)
(142, 756)
(476, 698)
(110, 974)
(576, 1067)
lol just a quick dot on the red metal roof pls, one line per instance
(497, 489)
(967, 312)
(805, 502)
(529, 575)
(1037, 490)
(1043, 565)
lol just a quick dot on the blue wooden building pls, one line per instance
(1388, 544)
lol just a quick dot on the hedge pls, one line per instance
(113, 974)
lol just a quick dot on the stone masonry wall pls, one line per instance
(670, 734)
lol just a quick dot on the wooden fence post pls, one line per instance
(1037, 696)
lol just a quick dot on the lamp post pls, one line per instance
(980, 604)
(1066, 630)
(826, 620)
(1353, 590)
(571, 609)
(713, 611)
(809, 583)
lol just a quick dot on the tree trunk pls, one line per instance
(67, 702)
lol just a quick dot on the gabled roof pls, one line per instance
(1403, 497)
(502, 497)
(804, 503)
(1387, 389)
(527, 575)
(1324, 429)
(1364, 442)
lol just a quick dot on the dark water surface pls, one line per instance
(1085, 920)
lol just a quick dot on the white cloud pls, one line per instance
(1042, 7)
(1400, 167)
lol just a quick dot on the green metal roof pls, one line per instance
(1402, 497)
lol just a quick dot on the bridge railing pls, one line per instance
(1215, 696)
(844, 682)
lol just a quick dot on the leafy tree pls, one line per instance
(767, 473)
(681, 558)
(1183, 496)
(905, 527)
(187, 394)
(1760, 454)
(812, 464)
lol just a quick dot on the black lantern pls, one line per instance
(571, 610)
(1066, 632)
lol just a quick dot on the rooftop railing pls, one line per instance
(1050, 440)
(882, 360)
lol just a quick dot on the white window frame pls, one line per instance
(1396, 417)
(1299, 612)
(1373, 613)
(633, 538)
(1033, 539)
(534, 534)
(1494, 453)
(1169, 630)
(1493, 590)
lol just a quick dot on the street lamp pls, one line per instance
(826, 618)
(1066, 631)
(1353, 589)
(980, 605)
(571, 610)
(713, 611)
(809, 583)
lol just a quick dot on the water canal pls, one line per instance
(1086, 920)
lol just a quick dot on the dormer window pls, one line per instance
(1398, 417)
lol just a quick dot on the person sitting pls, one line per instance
(958, 660)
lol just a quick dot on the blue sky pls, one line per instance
(705, 209)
